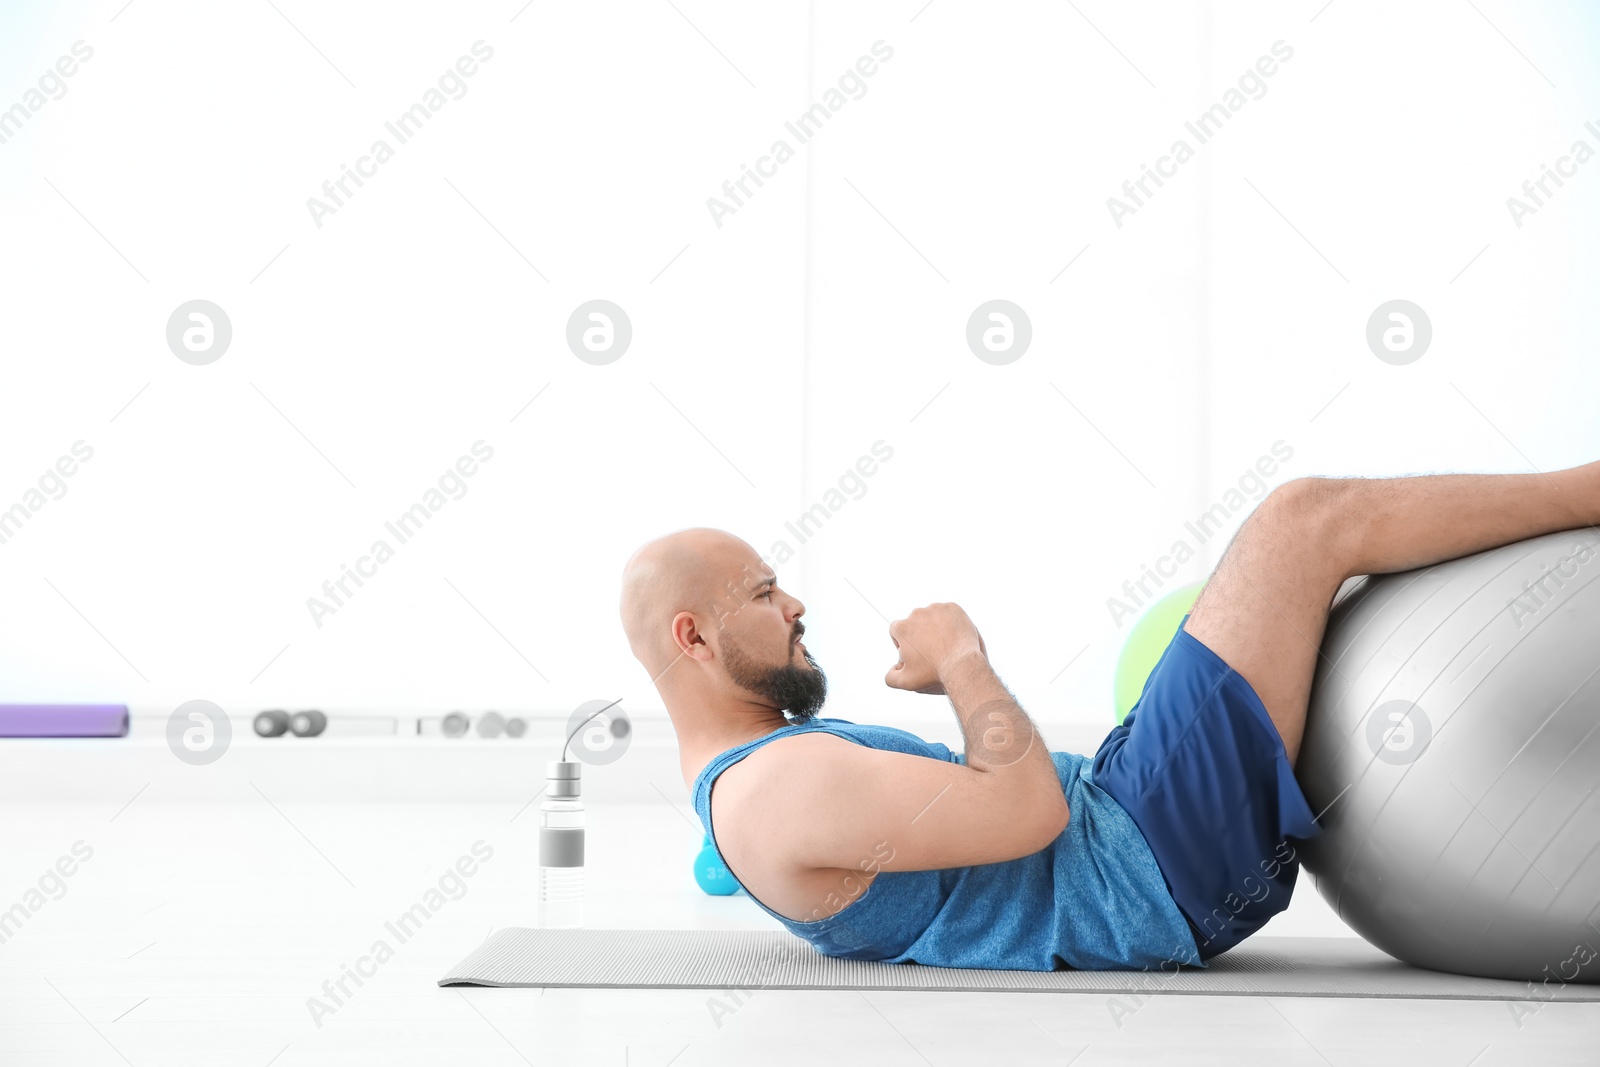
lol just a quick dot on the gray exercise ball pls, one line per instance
(1452, 752)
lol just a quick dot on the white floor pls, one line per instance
(196, 934)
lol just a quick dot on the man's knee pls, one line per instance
(1311, 510)
(1310, 498)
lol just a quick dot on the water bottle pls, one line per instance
(561, 846)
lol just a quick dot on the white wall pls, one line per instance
(769, 353)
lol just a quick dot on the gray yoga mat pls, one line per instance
(744, 959)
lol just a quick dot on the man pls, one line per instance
(1174, 843)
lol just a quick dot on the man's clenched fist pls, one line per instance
(930, 640)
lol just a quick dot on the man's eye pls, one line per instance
(768, 594)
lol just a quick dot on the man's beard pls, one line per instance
(790, 688)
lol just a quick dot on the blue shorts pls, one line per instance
(1200, 767)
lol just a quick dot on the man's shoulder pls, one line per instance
(774, 764)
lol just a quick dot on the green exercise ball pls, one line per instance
(1149, 638)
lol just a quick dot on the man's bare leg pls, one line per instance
(1266, 605)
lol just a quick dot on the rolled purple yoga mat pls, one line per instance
(63, 720)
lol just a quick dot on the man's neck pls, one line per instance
(697, 748)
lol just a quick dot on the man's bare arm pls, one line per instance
(1004, 803)
(1000, 738)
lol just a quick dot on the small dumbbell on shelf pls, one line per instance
(307, 723)
(271, 723)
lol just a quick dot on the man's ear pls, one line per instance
(687, 636)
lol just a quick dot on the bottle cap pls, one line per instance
(564, 778)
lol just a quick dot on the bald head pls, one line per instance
(706, 617)
(688, 570)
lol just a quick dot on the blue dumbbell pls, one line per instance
(710, 873)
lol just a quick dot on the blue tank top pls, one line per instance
(1093, 900)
